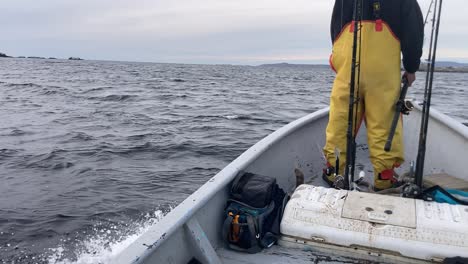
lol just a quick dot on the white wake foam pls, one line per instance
(100, 249)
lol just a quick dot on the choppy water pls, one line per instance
(93, 153)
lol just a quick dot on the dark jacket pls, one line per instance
(403, 16)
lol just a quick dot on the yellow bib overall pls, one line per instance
(378, 92)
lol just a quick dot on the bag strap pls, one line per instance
(254, 236)
(275, 228)
(266, 214)
(268, 240)
(226, 227)
(284, 203)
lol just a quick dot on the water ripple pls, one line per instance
(91, 149)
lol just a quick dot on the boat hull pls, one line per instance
(192, 229)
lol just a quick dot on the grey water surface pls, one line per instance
(93, 152)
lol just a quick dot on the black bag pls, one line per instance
(253, 214)
(253, 189)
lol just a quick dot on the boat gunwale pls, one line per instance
(149, 241)
(448, 121)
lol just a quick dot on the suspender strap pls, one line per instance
(254, 236)
(376, 7)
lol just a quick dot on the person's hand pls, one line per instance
(411, 77)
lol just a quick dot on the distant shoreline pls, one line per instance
(446, 66)
(459, 68)
(291, 65)
(3, 55)
(462, 69)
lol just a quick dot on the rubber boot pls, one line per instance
(384, 180)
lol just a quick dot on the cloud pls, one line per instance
(205, 31)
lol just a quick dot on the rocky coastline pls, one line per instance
(4, 55)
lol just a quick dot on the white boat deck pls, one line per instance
(296, 255)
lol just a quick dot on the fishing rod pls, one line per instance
(428, 94)
(428, 12)
(351, 142)
(402, 107)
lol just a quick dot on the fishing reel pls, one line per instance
(411, 190)
(407, 107)
(340, 183)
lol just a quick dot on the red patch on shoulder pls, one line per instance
(378, 25)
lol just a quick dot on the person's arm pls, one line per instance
(412, 35)
(335, 26)
(410, 77)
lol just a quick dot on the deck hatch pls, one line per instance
(387, 210)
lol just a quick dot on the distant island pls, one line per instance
(3, 55)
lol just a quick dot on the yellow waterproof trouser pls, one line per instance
(379, 90)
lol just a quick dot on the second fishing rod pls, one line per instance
(353, 99)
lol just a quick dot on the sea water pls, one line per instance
(93, 153)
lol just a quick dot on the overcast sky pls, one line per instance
(191, 31)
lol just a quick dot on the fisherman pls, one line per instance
(389, 28)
